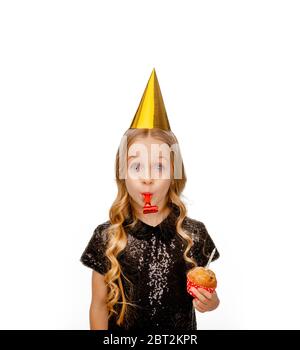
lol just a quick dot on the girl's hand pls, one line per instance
(205, 301)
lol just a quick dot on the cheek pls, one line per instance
(163, 186)
(131, 186)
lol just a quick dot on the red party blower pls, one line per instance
(148, 208)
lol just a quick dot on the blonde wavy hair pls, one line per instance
(121, 209)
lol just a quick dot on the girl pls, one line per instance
(140, 260)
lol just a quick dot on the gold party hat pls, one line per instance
(151, 112)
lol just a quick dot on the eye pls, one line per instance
(159, 166)
(135, 166)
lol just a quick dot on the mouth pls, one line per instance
(147, 196)
(147, 193)
(148, 207)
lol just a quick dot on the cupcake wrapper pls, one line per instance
(190, 284)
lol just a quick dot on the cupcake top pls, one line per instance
(203, 277)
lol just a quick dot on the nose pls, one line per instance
(147, 181)
(146, 177)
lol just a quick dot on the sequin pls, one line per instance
(153, 262)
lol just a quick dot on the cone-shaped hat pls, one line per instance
(151, 112)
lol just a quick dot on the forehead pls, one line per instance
(150, 147)
(148, 141)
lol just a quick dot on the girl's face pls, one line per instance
(148, 170)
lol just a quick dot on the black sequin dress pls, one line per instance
(153, 261)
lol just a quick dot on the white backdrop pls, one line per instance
(71, 77)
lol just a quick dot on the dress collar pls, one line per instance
(166, 230)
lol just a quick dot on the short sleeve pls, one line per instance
(94, 254)
(203, 245)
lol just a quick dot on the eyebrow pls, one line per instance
(137, 157)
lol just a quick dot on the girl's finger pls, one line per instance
(202, 300)
(200, 296)
(206, 293)
(198, 306)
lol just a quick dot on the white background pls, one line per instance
(71, 76)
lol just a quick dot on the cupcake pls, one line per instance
(201, 277)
